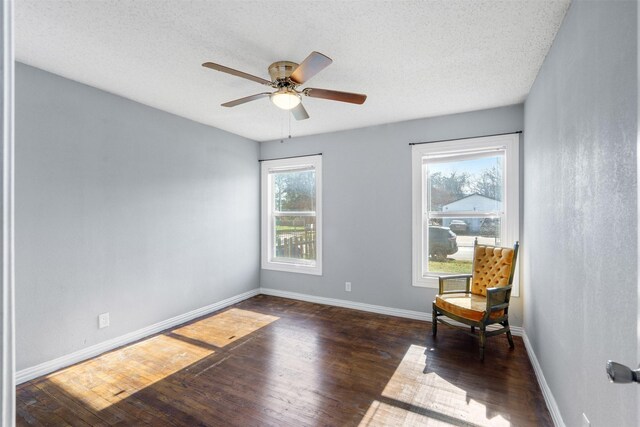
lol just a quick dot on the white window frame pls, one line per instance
(510, 227)
(268, 261)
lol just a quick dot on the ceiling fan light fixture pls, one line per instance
(285, 99)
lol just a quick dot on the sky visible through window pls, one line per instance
(472, 167)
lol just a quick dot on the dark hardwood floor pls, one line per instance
(279, 362)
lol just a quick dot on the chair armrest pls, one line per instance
(443, 288)
(498, 298)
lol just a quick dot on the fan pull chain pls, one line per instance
(281, 129)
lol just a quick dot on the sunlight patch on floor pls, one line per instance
(413, 397)
(226, 327)
(296, 351)
(382, 415)
(114, 376)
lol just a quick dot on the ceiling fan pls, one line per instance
(286, 76)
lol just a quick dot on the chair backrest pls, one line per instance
(493, 266)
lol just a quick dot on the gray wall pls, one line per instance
(367, 207)
(125, 209)
(580, 220)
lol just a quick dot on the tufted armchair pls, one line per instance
(479, 299)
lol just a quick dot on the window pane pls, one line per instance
(294, 191)
(295, 238)
(450, 242)
(459, 193)
(462, 185)
(465, 185)
(292, 214)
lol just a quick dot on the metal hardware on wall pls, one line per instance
(291, 157)
(468, 137)
(622, 374)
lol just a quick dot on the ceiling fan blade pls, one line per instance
(233, 72)
(246, 99)
(299, 113)
(312, 65)
(334, 95)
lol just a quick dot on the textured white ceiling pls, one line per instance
(412, 58)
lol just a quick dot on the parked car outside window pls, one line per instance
(442, 242)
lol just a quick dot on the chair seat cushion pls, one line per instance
(468, 306)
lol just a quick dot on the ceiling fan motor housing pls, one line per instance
(281, 70)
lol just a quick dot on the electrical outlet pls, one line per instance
(585, 421)
(347, 286)
(103, 320)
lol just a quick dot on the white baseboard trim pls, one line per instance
(546, 391)
(409, 314)
(398, 312)
(97, 349)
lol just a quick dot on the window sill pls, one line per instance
(426, 282)
(293, 268)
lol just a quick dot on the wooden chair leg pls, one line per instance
(483, 339)
(434, 320)
(509, 336)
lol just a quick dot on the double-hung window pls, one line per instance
(292, 215)
(462, 190)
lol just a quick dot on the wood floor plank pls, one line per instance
(34, 408)
(79, 409)
(271, 361)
